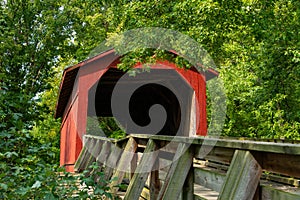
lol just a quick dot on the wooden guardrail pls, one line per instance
(165, 167)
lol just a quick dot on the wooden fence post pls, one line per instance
(177, 173)
(242, 177)
(188, 187)
(154, 181)
(124, 164)
(142, 171)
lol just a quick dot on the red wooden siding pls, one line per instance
(69, 138)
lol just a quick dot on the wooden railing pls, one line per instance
(165, 167)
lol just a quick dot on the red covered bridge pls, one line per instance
(92, 82)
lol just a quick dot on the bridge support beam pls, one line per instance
(242, 177)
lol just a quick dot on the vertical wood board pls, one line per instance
(124, 164)
(142, 171)
(242, 177)
(177, 173)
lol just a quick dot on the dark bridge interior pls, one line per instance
(144, 97)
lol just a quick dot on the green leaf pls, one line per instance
(37, 184)
(99, 191)
(4, 186)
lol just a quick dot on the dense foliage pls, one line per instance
(256, 48)
(255, 45)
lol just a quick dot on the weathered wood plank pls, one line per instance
(112, 161)
(242, 177)
(142, 171)
(101, 138)
(282, 179)
(274, 162)
(164, 164)
(209, 178)
(102, 157)
(133, 165)
(84, 155)
(154, 181)
(212, 179)
(166, 155)
(90, 146)
(174, 181)
(95, 150)
(218, 154)
(169, 147)
(124, 164)
(270, 191)
(81, 157)
(286, 148)
(279, 163)
(188, 187)
(218, 166)
(107, 158)
(203, 193)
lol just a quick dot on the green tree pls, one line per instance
(262, 72)
(34, 37)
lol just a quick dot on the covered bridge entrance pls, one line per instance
(164, 100)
